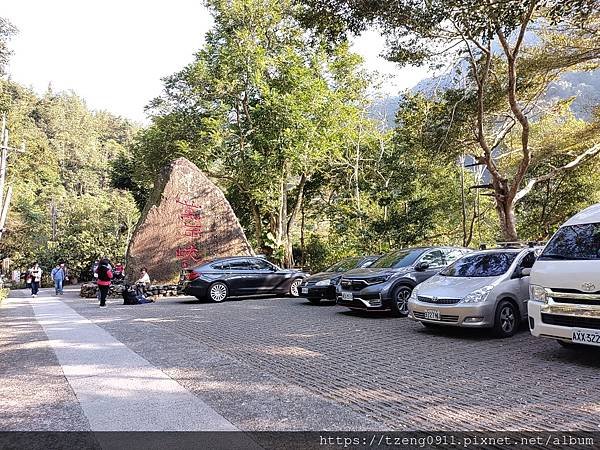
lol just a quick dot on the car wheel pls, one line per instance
(400, 298)
(506, 322)
(218, 292)
(315, 301)
(294, 291)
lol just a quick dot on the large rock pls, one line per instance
(187, 220)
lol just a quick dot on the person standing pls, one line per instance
(105, 275)
(59, 276)
(36, 277)
(95, 266)
(119, 272)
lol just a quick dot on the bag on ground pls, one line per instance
(130, 296)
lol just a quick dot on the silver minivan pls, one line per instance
(485, 289)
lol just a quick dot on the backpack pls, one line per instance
(103, 273)
(130, 297)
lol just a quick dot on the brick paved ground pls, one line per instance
(266, 362)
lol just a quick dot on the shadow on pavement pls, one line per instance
(369, 314)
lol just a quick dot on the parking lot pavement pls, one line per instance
(272, 364)
(117, 389)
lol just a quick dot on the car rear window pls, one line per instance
(574, 242)
(481, 265)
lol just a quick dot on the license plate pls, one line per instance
(305, 290)
(586, 337)
(348, 296)
(432, 314)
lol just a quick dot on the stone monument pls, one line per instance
(186, 221)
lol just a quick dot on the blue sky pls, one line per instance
(114, 53)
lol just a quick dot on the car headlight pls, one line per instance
(537, 294)
(323, 282)
(478, 296)
(335, 280)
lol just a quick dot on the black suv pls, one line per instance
(389, 281)
(321, 286)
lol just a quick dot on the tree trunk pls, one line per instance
(463, 202)
(282, 232)
(508, 222)
(302, 243)
(257, 226)
(289, 255)
(356, 182)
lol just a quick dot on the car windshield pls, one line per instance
(400, 258)
(574, 242)
(344, 265)
(481, 265)
(367, 262)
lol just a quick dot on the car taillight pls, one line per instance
(193, 275)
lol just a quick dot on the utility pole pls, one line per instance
(5, 198)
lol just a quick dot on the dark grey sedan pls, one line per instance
(221, 278)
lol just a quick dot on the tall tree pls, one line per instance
(264, 109)
(7, 31)
(490, 37)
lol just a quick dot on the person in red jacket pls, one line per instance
(105, 275)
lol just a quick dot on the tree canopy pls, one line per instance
(505, 79)
(64, 207)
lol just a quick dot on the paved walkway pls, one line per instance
(110, 387)
(34, 394)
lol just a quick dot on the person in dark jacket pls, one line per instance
(105, 276)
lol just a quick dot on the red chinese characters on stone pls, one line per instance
(193, 231)
(191, 219)
(190, 213)
(188, 255)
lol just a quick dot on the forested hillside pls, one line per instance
(277, 109)
(64, 206)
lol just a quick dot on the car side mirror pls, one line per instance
(526, 272)
(422, 266)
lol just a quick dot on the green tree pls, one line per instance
(66, 169)
(266, 110)
(502, 86)
(559, 194)
(7, 31)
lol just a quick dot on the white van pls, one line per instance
(564, 292)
